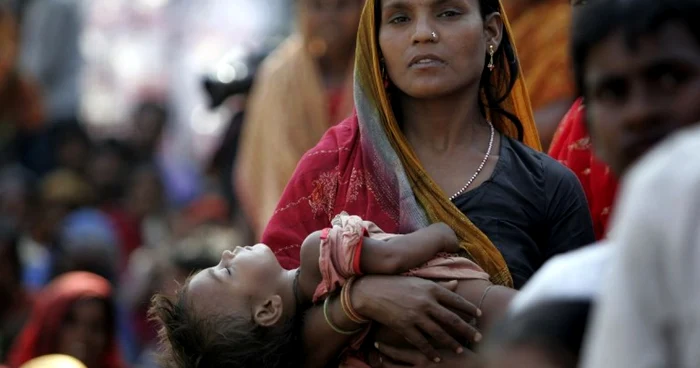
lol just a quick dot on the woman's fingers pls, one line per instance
(432, 329)
(405, 356)
(416, 338)
(445, 317)
(454, 301)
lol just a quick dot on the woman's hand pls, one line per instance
(392, 357)
(416, 309)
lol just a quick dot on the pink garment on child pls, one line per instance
(336, 264)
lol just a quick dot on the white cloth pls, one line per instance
(574, 275)
(649, 309)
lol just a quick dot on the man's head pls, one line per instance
(637, 64)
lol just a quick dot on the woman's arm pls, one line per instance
(412, 307)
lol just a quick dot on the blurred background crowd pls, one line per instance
(131, 153)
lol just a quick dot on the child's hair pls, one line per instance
(556, 326)
(233, 341)
(598, 19)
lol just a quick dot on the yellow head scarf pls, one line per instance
(376, 117)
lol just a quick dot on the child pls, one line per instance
(248, 319)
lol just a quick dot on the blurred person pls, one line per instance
(541, 31)
(638, 89)
(71, 145)
(21, 109)
(18, 190)
(88, 242)
(59, 193)
(149, 121)
(140, 218)
(15, 303)
(648, 314)
(234, 95)
(545, 335)
(74, 316)
(303, 88)
(108, 169)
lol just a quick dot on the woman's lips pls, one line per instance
(425, 61)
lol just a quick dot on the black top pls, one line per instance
(532, 208)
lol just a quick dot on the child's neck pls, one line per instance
(290, 292)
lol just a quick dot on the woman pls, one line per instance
(73, 315)
(426, 134)
(424, 99)
(303, 88)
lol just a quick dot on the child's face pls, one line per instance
(243, 278)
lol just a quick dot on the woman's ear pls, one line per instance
(493, 30)
(269, 311)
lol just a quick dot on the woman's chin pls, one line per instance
(430, 90)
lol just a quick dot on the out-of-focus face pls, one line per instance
(84, 333)
(105, 170)
(145, 194)
(73, 153)
(433, 48)
(637, 96)
(149, 124)
(330, 25)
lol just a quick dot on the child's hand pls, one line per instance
(448, 238)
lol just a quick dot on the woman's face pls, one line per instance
(637, 96)
(433, 48)
(84, 333)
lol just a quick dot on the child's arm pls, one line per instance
(405, 252)
(382, 257)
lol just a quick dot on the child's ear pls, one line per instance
(268, 312)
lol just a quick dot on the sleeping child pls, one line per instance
(245, 311)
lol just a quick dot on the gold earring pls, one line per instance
(491, 66)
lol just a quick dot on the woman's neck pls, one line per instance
(441, 125)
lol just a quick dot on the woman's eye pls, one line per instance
(449, 13)
(398, 19)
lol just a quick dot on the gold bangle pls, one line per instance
(332, 325)
(347, 305)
